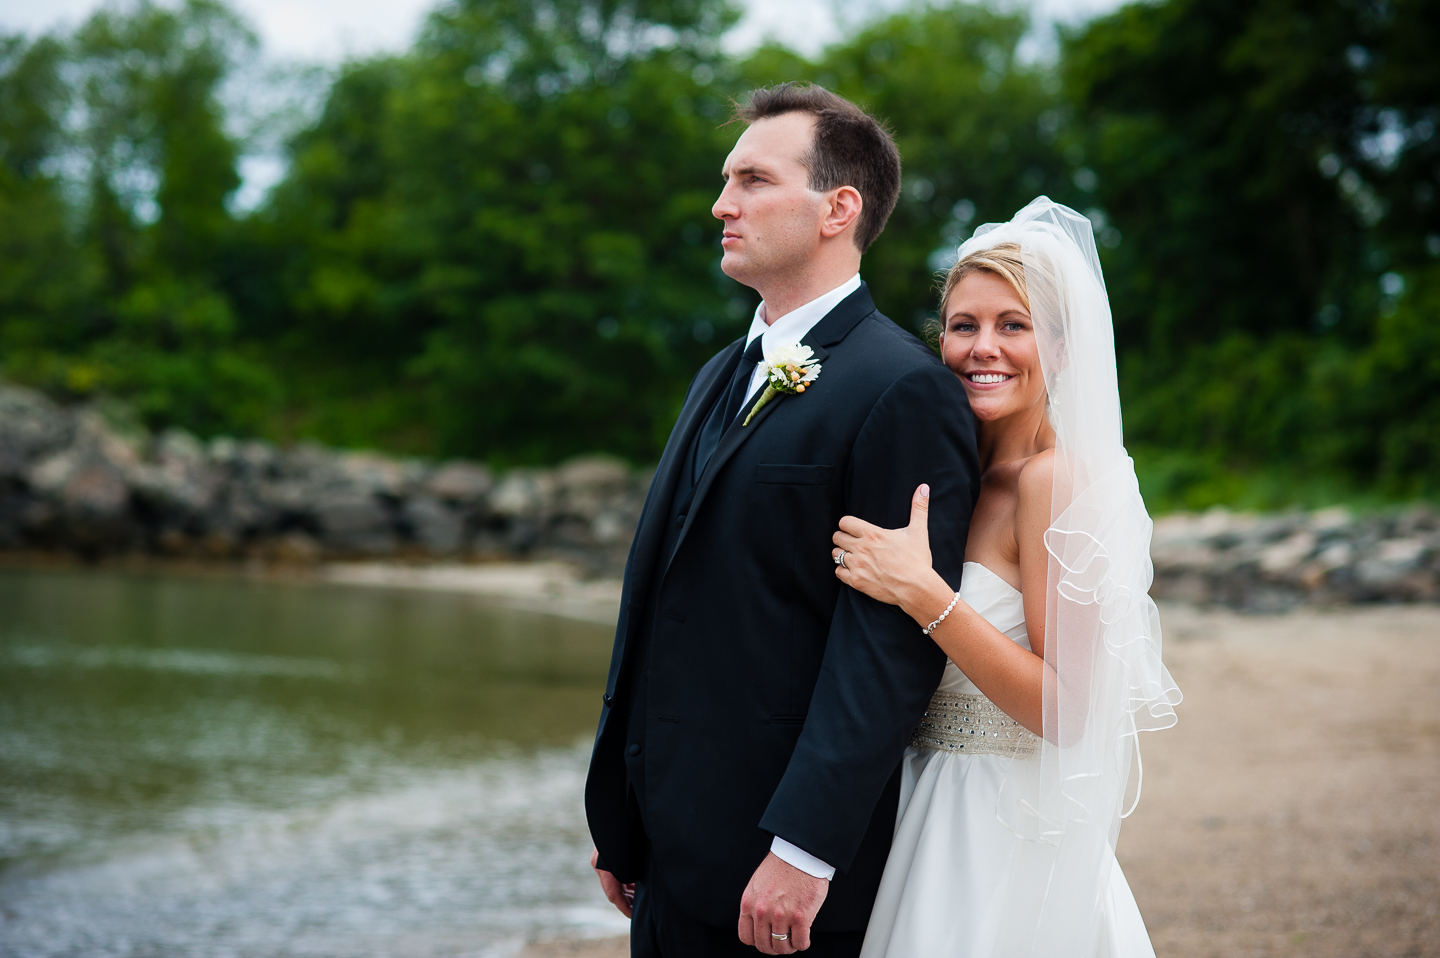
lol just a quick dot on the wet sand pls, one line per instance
(1295, 810)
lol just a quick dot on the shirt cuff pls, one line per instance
(801, 859)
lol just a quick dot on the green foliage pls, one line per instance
(509, 232)
(499, 243)
(1272, 171)
(124, 298)
(44, 278)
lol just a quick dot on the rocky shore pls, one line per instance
(73, 482)
(1273, 562)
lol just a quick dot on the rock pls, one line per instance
(1388, 570)
(1334, 519)
(610, 528)
(180, 448)
(96, 490)
(588, 486)
(244, 461)
(292, 498)
(355, 523)
(523, 494)
(49, 476)
(1336, 556)
(31, 427)
(94, 507)
(464, 482)
(373, 474)
(244, 512)
(224, 450)
(179, 486)
(1285, 556)
(436, 527)
(1417, 520)
(1178, 543)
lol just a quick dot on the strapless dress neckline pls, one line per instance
(988, 573)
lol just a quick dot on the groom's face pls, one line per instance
(772, 217)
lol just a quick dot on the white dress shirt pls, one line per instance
(791, 328)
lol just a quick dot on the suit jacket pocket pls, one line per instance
(793, 473)
(787, 720)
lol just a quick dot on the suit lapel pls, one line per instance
(651, 531)
(829, 331)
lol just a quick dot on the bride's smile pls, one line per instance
(988, 341)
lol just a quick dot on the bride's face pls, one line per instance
(989, 342)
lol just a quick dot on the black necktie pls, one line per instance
(723, 413)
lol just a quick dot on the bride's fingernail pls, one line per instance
(924, 490)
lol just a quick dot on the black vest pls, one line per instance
(723, 415)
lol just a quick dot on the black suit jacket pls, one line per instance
(780, 701)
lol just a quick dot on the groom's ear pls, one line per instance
(843, 206)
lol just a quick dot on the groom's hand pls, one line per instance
(621, 896)
(780, 900)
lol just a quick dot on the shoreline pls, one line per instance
(551, 587)
(554, 588)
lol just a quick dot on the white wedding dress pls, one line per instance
(951, 850)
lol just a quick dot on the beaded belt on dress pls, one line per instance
(963, 722)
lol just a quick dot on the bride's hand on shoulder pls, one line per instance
(890, 565)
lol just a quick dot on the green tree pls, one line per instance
(499, 242)
(160, 168)
(1245, 153)
(509, 229)
(46, 281)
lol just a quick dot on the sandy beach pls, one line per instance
(1293, 810)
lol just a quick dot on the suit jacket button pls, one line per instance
(680, 520)
(634, 749)
(606, 699)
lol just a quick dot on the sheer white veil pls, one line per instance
(1104, 681)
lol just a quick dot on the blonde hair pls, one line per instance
(1002, 259)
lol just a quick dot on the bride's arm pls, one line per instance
(893, 566)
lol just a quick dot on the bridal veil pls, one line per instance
(1105, 682)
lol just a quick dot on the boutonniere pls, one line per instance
(788, 369)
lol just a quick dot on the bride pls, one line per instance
(1014, 786)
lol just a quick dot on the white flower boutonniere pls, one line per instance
(788, 369)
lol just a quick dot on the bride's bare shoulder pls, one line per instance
(1033, 493)
(1037, 475)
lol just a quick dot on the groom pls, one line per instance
(744, 782)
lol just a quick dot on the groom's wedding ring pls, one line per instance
(840, 560)
(784, 937)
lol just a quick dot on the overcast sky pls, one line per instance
(330, 30)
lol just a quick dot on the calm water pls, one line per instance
(219, 767)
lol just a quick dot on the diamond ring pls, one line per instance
(840, 560)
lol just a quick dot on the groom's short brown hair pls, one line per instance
(851, 148)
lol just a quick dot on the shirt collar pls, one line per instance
(794, 325)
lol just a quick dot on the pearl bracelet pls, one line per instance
(948, 609)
